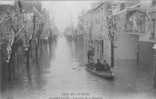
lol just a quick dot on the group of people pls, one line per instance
(98, 65)
(102, 67)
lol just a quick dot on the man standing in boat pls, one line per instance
(102, 67)
(106, 66)
(90, 55)
(99, 66)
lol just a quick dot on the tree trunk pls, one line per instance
(36, 52)
(11, 66)
(112, 53)
(28, 64)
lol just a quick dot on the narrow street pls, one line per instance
(65, 76)
(46, 45)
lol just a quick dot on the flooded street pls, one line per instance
(58, 49)
(66, 75)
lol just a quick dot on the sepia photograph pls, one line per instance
(77, 49)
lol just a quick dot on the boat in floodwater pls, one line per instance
(103, 73)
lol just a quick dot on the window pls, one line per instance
(122, 6)
(153, 28)
(135, 21)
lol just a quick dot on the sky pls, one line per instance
(65, 13)
(6, 2)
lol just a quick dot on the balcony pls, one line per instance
(135, 23)
(135, 30)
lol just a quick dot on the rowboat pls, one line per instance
(104, 74)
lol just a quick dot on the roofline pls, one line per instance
(119, 12)
(95, 8)
(101, 4)
(125, 10)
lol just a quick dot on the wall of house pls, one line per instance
(126, 47)
(107, 51)
(145, 53)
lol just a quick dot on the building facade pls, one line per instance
(95, 32)
(137, 36)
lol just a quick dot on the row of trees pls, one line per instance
(24, 36)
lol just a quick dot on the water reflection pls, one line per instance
(23, 81)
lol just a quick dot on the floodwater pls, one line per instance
(66, 77)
